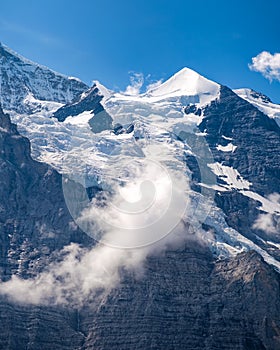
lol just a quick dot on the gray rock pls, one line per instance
(257, 159)
(34, 220)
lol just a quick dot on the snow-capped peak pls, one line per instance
(186, 82)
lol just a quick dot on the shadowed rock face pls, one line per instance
(34, 220)
(257, 137)
(185, 300)
(87, 101)
(257, 159)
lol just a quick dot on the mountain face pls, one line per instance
(23, 83)
(262, 102)
(218, 287)
(234, 121)
(34, 219)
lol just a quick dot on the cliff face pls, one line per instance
(185, 300)
(34, 220)
(255, 135)
(232, 120)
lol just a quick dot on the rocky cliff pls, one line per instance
(232, 120)
(34, 220)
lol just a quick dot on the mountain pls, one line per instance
(208, 281)
(27, 86)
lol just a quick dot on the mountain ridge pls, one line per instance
(21, 77)
(218, 287)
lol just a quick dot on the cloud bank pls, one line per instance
(140, 211)
(267, 64)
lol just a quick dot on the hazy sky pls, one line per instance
(105, 40)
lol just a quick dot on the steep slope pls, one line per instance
(262, 102)
(25, 85)
(248, 175)
(34, 220)
(187, 300)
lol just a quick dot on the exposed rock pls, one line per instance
(123, 129)
(187, 300)
(34, 220)
(101, 121)
(256, 157)
(250, 129)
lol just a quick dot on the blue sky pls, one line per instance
(106, 39)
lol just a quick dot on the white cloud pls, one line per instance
(136, 83)
(140, 82)
(267, 64)
(152, 218)
(267, 223)
(89, 274)
(143, 210)
(270, 222)
(154, 85)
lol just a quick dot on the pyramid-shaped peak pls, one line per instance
(187, 72)
(186, 82)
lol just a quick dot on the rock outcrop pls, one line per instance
(256, 157)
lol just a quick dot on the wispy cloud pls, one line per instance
(154, 85)
(137, 216)
(136, 83)
(269, 223)
(267, 64)
(140, 83)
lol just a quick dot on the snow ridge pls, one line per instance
(20, 77)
